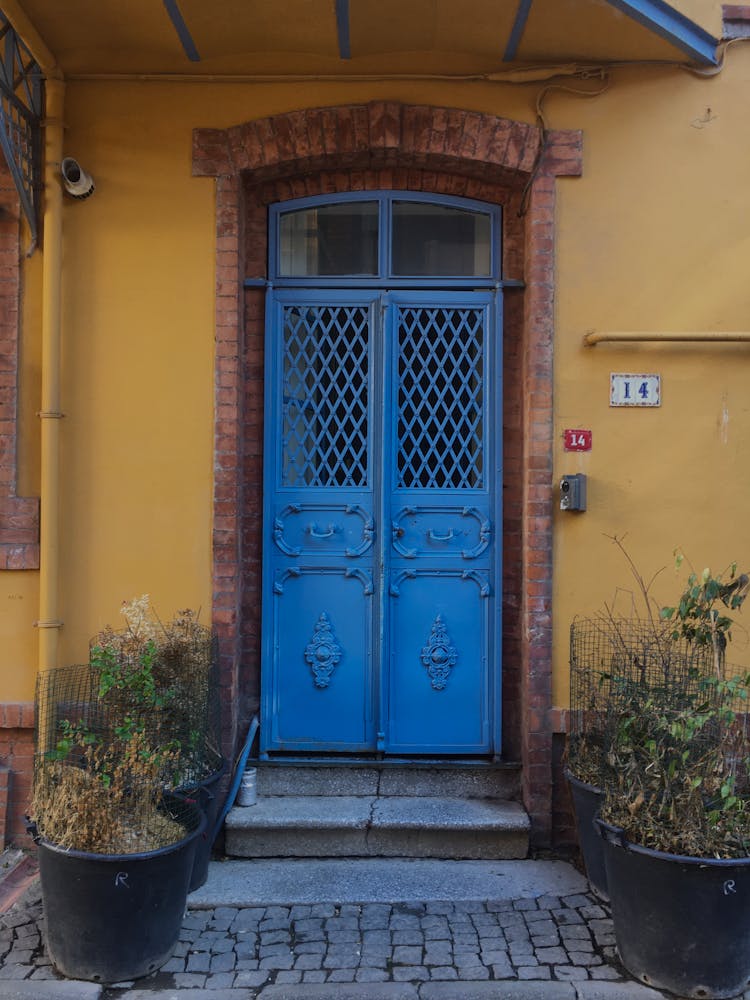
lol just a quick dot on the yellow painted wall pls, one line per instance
(19, 609)
(705, 13)
(653, 236)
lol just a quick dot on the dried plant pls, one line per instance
(179, 657)
(105, 798)
(114, 736)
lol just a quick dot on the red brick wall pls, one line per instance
(16, 768)
(365, 147)
(19, 516)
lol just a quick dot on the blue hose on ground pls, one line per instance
(239, 770)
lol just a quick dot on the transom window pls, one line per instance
(385, 237)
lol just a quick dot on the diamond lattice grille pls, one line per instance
(441, 374)
(325, 423)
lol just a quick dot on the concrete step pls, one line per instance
(371, 826)
(433, 779)
(289, 881)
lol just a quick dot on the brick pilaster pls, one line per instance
(19, 516)
(386, 145)
(16, 770)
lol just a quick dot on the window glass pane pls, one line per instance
(436, 240)
(325, 361)
(329, 240)
(440, 398)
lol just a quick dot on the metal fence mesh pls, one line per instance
(117, 734)
(665, 738)
(611, 663)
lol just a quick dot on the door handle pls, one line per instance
(435, 536)
(314, 533)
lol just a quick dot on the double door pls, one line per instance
(381, 550)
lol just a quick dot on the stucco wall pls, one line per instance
(653, 236)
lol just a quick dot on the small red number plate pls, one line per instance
(577, 440)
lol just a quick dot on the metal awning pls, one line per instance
(387, 37)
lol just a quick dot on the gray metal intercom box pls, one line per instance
(573, 492)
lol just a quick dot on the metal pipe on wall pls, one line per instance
(49, 623)
(594, 337)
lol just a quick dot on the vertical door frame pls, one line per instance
(391, 290)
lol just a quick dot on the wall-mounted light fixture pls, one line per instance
(76, 181)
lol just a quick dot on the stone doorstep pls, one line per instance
(358, 881)
(460, 780)
(395, 826)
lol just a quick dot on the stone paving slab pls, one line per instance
(270, 881)
(536, 991)
(187, 994)
(382, 991)
(616, 991)
(68, 989)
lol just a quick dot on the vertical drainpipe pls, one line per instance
(49, 622)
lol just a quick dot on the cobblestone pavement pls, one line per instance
(547, 948)
(251, 952)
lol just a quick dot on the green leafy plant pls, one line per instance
(678, 764)
(699, 616)
(121, 674)
(73, 736)
(672, 721)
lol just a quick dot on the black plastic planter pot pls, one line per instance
(587, 800)
(206, 795)
(682, 924)
(111, 918)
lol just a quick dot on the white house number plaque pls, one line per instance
(634, 390)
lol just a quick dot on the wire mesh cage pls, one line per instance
(169, 673)
(661, 733)
(117, 736)
(614, 661)
(104, 768)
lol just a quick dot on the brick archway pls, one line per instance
(405, 147)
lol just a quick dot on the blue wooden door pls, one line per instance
(380, 556)
(440, 588)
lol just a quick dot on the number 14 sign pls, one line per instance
(634, 390)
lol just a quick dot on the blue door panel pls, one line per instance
(381, 557)
(322, 643)
(309, 529)
(438, 697)
(432, 532)
(316, 672)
